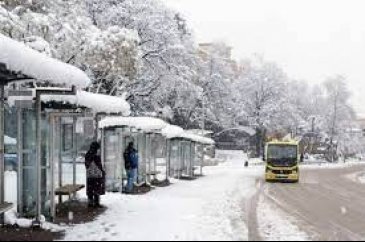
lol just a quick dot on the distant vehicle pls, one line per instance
(282, 161)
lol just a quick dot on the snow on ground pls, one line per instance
(209, 208)
(358, 177)
(327, 165)
(276, 225)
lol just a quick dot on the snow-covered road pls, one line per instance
(209, 208)
(327, 204)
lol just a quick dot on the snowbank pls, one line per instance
(327, 165)
(145, 124)
(97, 102)
(21, 59)
(12, 219)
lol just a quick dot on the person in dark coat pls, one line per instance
(301, 157)
(131, 166)
(95, 175)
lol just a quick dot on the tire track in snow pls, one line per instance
(251, 208)
(275, 223)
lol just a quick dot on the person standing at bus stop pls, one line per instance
(95, 175)
(131, 166)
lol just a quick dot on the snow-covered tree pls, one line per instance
(216, 74)
(261, 94)
(10, 23)
(113, 57)
(166, 48)
(338, 111)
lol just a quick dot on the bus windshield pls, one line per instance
(276, 152)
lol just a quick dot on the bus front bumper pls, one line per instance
(271, 177)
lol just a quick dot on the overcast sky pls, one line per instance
(310, 39)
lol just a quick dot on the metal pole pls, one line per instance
(202, 160)
(2, 145)
(60, 129)
(102, 145)
(153, 142)
(74, 142)
(20, 161)
(203, 121)
(51, 160)
(192, 158)
(38, 156)
(168, 158)
(146, 159)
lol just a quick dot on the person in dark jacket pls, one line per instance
(95, 175)
(301, 158)
(131, 165)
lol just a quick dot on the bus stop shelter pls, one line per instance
(68, 128)
(185, 152)
(19, 63)
(116, 134)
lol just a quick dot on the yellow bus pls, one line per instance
(282, 161)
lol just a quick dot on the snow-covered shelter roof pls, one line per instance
(145, 124)
(20, 59)
(200, 132)
(98, 103)
(9, 141)
(171, 132)
(197, 138)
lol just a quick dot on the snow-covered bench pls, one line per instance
(153, 173)
(5, 207)
(68, 190)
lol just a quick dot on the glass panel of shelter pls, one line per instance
(158, 154)
(11, 157)
(70, 140)
(111, 155)
(140, 137)
(115, 143)
(27, 163)
(175, 158)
